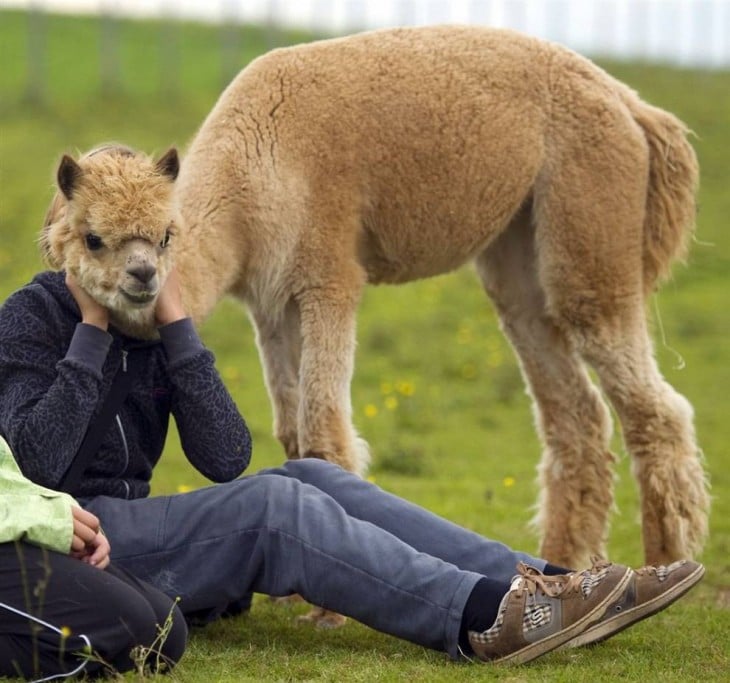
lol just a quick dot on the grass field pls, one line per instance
(437, 392)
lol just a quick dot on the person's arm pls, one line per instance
(30, 512)
(212, 431)
(213, 434)
(49, 388)
(46, 518)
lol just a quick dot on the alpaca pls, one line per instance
(400, 154)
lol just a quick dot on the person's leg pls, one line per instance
(272, 534)
(171, 629)
(53, 607)
(413, 524)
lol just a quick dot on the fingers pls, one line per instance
(73, 286)
(99, 556)
(92, 312)
(85, 517)
(169, 306)
(78, 546)
(88, 543)
(84, 533)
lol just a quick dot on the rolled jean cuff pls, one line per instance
(452, 627)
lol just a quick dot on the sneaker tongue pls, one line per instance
(517, 582)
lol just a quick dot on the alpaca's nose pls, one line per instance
(144, 273)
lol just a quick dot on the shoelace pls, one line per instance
(598, 564)
(661, 572)
(552, 586)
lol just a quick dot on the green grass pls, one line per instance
(437, 392)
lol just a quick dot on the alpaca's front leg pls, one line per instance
(283, 348)
(327, 361)
(278, 340)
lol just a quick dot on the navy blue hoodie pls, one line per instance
(56, 371)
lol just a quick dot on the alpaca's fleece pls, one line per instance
(111, 225)
(401, 154)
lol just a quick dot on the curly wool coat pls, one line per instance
(394, 155)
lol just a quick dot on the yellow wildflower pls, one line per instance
(371, 410)
(405, 388)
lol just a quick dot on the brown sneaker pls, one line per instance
(540, 613)
(650, 589)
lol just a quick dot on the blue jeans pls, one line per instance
(309, 527)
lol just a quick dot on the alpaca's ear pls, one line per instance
(169, 164)
(68, 175)
(54, 226)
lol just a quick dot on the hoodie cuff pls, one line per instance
(180, 340)
(89, 347)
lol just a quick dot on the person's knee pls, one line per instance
(173, 637)
(303, 469)
(310, 470)
(138, 637)
(130, 634)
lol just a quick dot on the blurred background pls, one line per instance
(434, 374)
(694, 33)
(437, 391)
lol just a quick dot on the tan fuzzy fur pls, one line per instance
(400, 154)
(125, 200)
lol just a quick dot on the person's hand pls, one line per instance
(88, 543)
(92, 312)
(169, 307)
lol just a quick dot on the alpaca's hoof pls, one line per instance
(322, 618)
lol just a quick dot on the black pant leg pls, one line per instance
(167, 615)
(52, 606)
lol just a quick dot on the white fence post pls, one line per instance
(684, 32)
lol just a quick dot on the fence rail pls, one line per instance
(692, 33)
(684, 32)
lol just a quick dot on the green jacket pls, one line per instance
(29, 512)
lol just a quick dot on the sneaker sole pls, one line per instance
(628, 618)
(534, 650)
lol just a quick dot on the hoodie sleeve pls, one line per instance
(49, 389)
(32, 513)
(212, 431)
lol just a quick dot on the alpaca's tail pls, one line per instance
(673, 182)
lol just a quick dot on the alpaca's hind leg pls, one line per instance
(576, 473)
(659, 434)
(589, 209)
(279, 341)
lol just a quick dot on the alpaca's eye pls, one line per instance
(93, 242)
(166, 239)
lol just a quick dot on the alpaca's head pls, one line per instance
(112, 226)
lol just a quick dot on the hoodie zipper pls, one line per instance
(118, 420)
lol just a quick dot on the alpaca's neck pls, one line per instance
(208, 256)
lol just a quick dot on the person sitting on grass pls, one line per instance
(308, 527)
(64, 609)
